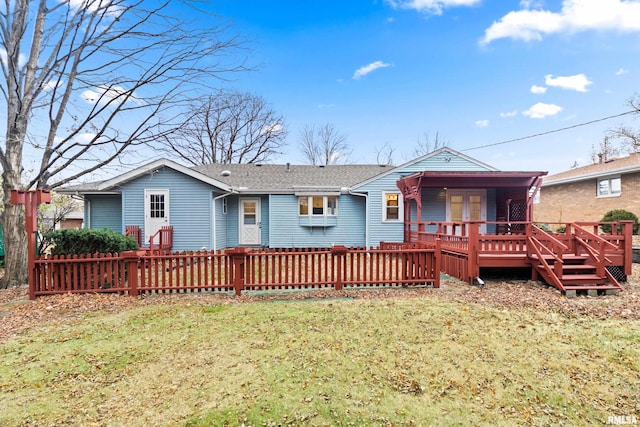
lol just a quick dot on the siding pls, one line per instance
(221, 225)
(189, 206)
(104, 211)
(286, 230)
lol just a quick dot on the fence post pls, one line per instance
(131, 258)
(474, 243)
(338, 253)
(438, 263)
(31, 199)
(238, 260)
(627, 232)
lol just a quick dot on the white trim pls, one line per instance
(466, 193)
(400, 207)
(155, 166)
(258, 224)
(608, 178)
(148, 230)
(325, 205)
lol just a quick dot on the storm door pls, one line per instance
(249, 222)
(156, 211)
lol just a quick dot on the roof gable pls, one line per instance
(112, 183)
(443, 159)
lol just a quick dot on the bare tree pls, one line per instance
(384, 154)
(51, 215)
(323, 145)
(605, 151)
(86, 81)
(628, 138)
(228, 127)
(426, 144)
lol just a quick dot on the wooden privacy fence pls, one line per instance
(237, 269)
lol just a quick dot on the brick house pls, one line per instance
(587, 193)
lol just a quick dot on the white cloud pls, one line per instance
(52, 84)
(578, 82)
(482, 123)
(273, 129)
(621, 71)
(509, 114)
(433, 7)
(574, 16)
(105, 95)
(542, 110)
(538, 90)
(22, 59)
(363, 71)
(531, 4)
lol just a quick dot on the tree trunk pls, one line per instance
(15, 243)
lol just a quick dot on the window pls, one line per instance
(392, 206)
(156, 208)
(224, 206)
(320, 205)
(609, 187)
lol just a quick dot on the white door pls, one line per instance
(156, 211)
(467, 205)
(249, 221)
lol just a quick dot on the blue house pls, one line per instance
(285, 206)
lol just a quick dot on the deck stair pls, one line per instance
(574, 264)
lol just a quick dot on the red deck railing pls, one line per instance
(465, 249)
(236, 269)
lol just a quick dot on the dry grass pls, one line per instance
(454, 356)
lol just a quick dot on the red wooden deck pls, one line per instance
(580, 258)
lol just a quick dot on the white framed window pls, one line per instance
(610, 186)
(224, 206)
(392, 206)
(318, 205)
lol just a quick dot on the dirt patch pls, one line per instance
(18, 313)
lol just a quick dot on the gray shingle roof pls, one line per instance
(286, 178)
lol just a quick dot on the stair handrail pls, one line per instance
(164, 231)
(576, 228)
(535, 244)
(556, 244)
(588, 240)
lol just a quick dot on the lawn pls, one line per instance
(397, 360)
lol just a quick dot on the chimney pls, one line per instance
(288, 167)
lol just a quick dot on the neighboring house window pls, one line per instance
(320, 205)
(392, 206)
(609, 187)
(224, 206)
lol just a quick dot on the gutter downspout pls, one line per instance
(366, 215)
(213, 246)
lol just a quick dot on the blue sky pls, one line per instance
(478, 72)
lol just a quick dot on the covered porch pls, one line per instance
(483, 220)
